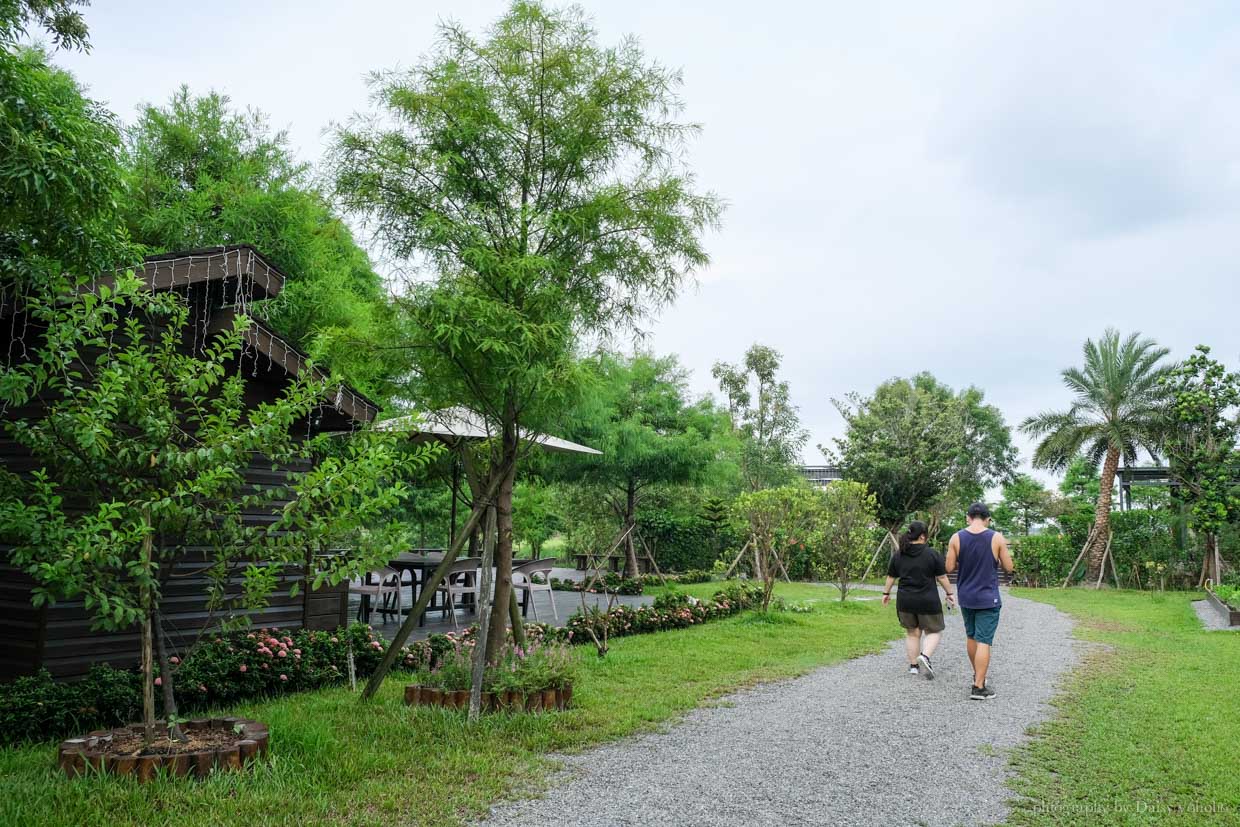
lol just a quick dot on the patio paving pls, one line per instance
(566, 603)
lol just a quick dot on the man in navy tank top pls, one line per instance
(976, 552)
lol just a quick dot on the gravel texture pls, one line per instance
(1211, 618)
(861, 742)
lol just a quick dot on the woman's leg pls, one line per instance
(912, 644)
(931, 642)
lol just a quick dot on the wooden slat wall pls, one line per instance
(59, 637)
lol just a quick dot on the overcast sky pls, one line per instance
(966, 188)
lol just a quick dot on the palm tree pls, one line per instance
(1115, 412)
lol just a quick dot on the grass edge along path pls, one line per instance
(1147, 730)
(336, 761)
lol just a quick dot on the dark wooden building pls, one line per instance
(216, 283)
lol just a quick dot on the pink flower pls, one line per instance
(202, 688)
(284, 677)
(334, 639)
(282, 653)
(174, 659)
(244, 668)
(250, 636)
(296, 651)
(159, 681)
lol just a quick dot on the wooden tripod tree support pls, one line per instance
(1102, 570)
(592, 560)
(650, 555)
(481, 505)
(737, 561)
(1088, 540)
(752, 545)
(881, 543)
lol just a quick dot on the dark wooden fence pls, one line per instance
(59, 637)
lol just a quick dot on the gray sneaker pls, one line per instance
(981, 693)
(926, 668)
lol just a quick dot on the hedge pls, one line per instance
(673, 610)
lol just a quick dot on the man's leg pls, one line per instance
(931, 642)
(985, 624)
(970, 644)
(981, 662)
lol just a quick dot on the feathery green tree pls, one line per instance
(917, 444)
(763, 416)
(202, 174)
(639, 415)
(535, 180)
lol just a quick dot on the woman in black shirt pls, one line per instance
(919, 570)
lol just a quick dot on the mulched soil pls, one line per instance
(129, 742)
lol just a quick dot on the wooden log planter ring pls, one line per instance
(548, 700)
(1230, 614)
(227, 744)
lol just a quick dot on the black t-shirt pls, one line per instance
(916, 569)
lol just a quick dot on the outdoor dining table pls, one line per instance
(420, 563)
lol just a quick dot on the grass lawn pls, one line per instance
(336, 761)
(1148, 730)
(556, 546)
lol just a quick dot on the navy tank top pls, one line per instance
(977, 584)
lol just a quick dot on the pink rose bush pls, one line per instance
(238, 665)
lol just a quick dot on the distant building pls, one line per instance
(821, 475)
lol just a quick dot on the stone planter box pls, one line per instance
(548, 700)
(95, 752)
(1231, 615)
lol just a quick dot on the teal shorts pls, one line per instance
(980, 624)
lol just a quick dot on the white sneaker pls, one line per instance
(925, 665)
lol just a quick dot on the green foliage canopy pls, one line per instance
(1026, 504)
(537, 176)
(844, 534)
(916, 441)
(60, 179)
(637, 412)
(1201, 442)
(202, 174)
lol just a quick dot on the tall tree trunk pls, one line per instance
(1102, 516)
(148, 682)
(478, 673)
(503, 546)
(147, 600)
(165, 672)
(630, 548)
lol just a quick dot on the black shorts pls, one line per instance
(926, 622)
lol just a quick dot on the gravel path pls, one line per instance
(860, 742)
(1210, 617)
